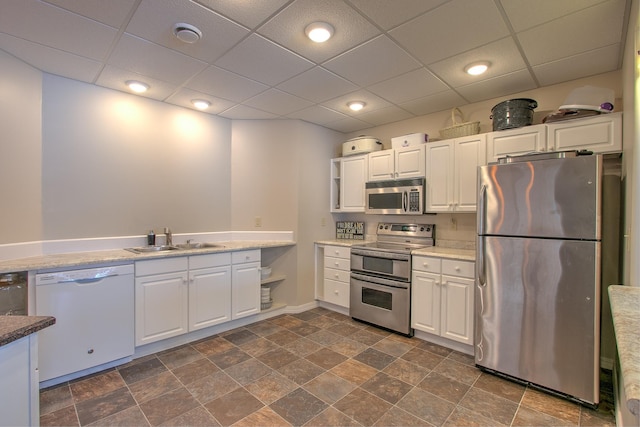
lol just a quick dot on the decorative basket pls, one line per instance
(459, 129)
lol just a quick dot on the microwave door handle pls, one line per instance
(405, 201)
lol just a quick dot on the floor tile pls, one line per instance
(240, 337)
(323, 322)
(324, 337)
(298, 407)
(343, 329)
(287, 321)
(272, 387)
(194, 371)
(258, 346)
(264, 328)
(501, 387)
(197, 417)
(60, 417)
(212, 346)
(168, 406)
(263, 417)
(529, 417)
(489, 405)
(374, 358)
(229, 357)
(329, 387)
(132, 373)
(426, 406)
(465, 359)
(283, 337)
(326, 358)
(304, 329)
(212, 386)
(423, 358)
(354, 371)
(248, 371)
(132, 416)
(233, 406)
(392, 347)
(434, 348)
(597, 418)
(91, 410)
(396, 417)
(154, 386)
(301, 371)
(406, 371)
(465, 417)
(96, 385)
(365, 337)
(305, 315)
(551, 405)
(302, 347)
(54, 398)
(347, 347)
(179, 357)
(458, 371)
(363, 407)
(331, 417)
(444, 387)
(277, 358)
(386, 387)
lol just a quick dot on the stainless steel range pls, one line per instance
(381, 275)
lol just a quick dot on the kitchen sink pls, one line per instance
(198, 245)
(157, 248)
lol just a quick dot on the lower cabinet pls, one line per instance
(183, 294)
(442, 297)
(337, 275)
(19, 395)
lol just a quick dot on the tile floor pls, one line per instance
(316, 368)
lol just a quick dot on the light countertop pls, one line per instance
(437, 251)
(13, 328)
(625, 308)
(80, 259)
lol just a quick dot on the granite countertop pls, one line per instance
(625, 309)
(438, 251)
(343, 242)
(12, 328)
(79, 259)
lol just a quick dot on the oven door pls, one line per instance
(382, 302)
(381, 263)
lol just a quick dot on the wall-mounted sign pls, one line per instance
(350, 230)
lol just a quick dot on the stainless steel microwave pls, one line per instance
(399, 197)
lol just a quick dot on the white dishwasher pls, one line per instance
(94, 311)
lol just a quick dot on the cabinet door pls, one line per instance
(410, 162)
(601, 134)
(439, 193)
(381, 165)
(354, 176)
(457, 309)
(209, 297)
(514, 142)
(470, 152)
(425, 302)
(336, 292)
(162, 307)
(245, 290)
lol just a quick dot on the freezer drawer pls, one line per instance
(538, 310)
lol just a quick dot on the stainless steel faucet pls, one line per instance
(169, 239)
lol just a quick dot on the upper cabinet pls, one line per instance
(600, 134)
(398, 163)
(452, 173)
(348, 176)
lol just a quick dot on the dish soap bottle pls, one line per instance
(151, 238)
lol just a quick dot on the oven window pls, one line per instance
(379, 265)
(377, 298)
(385, 201)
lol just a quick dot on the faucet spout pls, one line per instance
(168, 237)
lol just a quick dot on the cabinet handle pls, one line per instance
(437, 283)
(336, 292)
(457, 268)
(424, 264)
(337, 276)
(90, 351)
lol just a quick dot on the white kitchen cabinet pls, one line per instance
(19, 394)
(442, 297)
(162, 299)
(348, 176)
(451, 172)
(209, 290)
(399, 163)
(337, 271)
(245, 283)
(516, 142)
(600, 134)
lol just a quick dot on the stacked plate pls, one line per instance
(265, 297)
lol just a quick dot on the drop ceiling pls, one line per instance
(403, 58)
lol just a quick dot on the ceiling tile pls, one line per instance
(263, 61)
(277, 102)
(450, 29)
(524, 14)
(184, 96)
(434, 103)
(243, 112)
(154, 20)
(374, 61)
(247, 12)
(578, 66)
(317, 85)
(115, 78)
(414, 84)
(113, 12)
(588, 29)
(41, 23)
(317, 114)
(385, 115)
(225, 84)
(373, 102)
(288, 28)
(503, 55)
(348, 124)
(506, 84)
(149, 59)
(51, 60)
(387, 14)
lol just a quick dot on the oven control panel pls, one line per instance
(409, 230)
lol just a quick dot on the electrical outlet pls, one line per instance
(258, 221)
(323, 222)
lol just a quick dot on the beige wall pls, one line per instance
(20, 151)
(117, 164)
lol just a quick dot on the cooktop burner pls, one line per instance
(401, 237)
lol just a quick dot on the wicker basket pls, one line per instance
(459, 129)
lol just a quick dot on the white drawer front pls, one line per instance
(245, 256)
(337, 251)
(336, 293)
(426, 263)
(337, 275)
(209, 260)
(160, 266)
(337, 263)
(452, 267)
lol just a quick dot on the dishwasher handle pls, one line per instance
(84, 276)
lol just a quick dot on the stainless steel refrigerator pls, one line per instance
(537, 305)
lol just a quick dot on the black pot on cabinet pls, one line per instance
(513, 113)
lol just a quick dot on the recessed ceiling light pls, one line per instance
(356, 105)
(477, 68)
(319, 31)
(200, 104)
(137, 87)
(187, 33)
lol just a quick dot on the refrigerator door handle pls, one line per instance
(482, 209)
(482, 279)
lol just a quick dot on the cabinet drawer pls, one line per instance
(337, 251)
(336, 293)
(338, 263)
(159, 266)
(245, 256)
(452, 267)
(338, 275)
(426, 263)
(209, 260)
